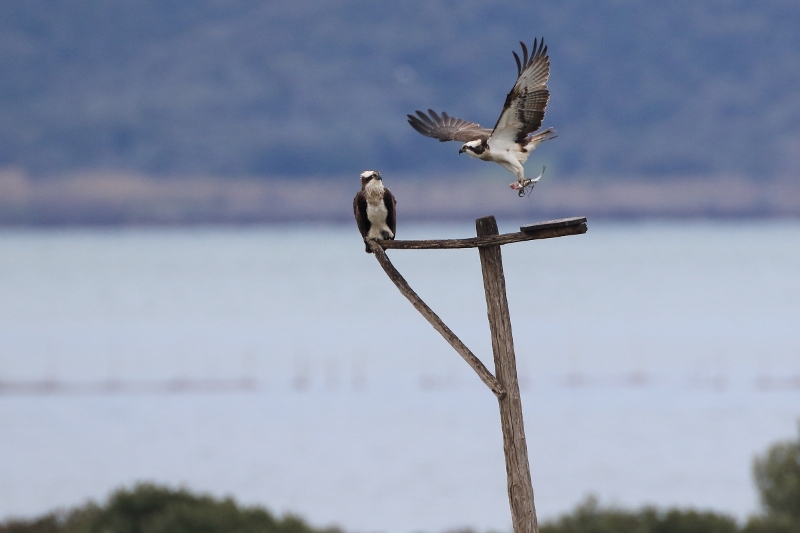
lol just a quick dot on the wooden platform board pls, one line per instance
(548, 224)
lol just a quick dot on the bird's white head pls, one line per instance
(474, 148)
(369, 175)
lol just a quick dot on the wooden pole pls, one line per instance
(520, 488)
(504, 383)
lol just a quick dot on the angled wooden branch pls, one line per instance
(542, 230)
(434, 320)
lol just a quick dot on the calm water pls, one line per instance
(282, 367)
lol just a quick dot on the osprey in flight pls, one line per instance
(373, 207)
(514, 136)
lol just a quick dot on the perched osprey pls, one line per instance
(514, 136)
(373, 207)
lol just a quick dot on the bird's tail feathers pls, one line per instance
(544, 135)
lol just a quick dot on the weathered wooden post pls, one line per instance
(504, 382)
(520, 488)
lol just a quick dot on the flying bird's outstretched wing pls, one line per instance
(523, 111)
(447, 128)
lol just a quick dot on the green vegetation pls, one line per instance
(589, 518)
(778, 478)
(777, 475)
(150, 509)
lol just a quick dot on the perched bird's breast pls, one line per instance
(376, 213)
(374, 192)
(376, 208)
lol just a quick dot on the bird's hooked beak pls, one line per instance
(461, 151)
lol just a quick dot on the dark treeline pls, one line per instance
(313, 87)
(777, 477)
(151, 509)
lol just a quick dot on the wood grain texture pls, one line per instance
(520, 488)
(488, 240)
(434, 319)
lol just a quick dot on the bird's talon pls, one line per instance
(525, 187)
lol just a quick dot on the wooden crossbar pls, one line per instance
(542, 230)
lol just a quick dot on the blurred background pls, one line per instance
(184, 298)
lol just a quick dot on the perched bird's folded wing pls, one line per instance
(360, 212)
(523, 111)
(391, 213)
(447, 128)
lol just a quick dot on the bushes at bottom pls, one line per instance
(149, 508)
(590, 518)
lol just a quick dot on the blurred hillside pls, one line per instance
(253, 88)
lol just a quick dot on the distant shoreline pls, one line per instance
(113, 199)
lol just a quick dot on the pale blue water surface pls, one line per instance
(656, 359)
